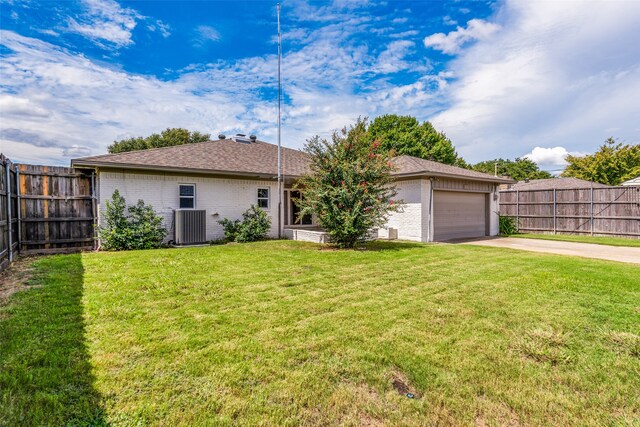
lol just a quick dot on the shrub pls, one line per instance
(350, 188)
(140, 228)
(254, 226)
(508, 225)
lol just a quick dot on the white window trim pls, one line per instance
(187, 197)
(268, 198)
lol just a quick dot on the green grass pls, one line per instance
(598, 240)
(282, 333)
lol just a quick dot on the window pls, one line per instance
(263, 198)
(187, 196)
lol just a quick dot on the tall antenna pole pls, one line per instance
(279, 129)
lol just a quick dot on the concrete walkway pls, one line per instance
(586, 250)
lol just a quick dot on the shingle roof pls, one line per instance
(224, 156)
(632, 181)
(409, 165)
(259, 158)
(557, 183)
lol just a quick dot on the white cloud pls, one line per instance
(329, 80)
(76, 150)
(16, 106)
(447, 20)
(105, 21)
(48, 32)
(556, 74)
(548, 157)
(391, 60)
(404, 34)
(451, 43)
(205, 34)
(161, 27)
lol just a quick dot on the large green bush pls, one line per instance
(135, 227)
(254, 226)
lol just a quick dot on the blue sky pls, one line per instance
(501, 78)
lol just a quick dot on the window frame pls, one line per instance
(268, 198)
(180, 197)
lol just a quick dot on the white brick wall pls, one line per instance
(226, 197)
(409, 220)
(229, 198)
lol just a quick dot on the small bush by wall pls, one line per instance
(508, 225)
(254, 226)
(135, 227)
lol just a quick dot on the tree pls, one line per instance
(349, 188)
(612, 164)
(167, 138)
(518, 169)
(407, 136)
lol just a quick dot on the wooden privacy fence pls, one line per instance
(612, 211)
(52, 209)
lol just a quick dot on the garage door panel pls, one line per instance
(458, 215)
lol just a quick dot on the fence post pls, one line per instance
(7, 175)
(94, 208)
(518, 209)
(591, 208)
(555, 208)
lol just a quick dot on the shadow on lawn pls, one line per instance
(45, 373)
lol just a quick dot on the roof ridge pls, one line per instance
(191, 144)
(417, 161)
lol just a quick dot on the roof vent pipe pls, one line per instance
(222, 136)
(253, 138)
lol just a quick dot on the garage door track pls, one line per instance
(586, 250)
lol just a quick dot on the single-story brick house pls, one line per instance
(226, 176)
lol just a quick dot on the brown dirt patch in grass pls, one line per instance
(544, 345)
(624, 342)
(495, 413)
(15, 278)
(401, 384)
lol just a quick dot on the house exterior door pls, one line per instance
(292, 210)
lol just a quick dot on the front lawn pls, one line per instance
(598, 240)
(285, 333)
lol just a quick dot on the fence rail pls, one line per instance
(611, 211)
(44, 209)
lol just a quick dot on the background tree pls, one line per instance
(612, 164)
(349, 188)
(406, 135)
(166, 138)
(518, 169)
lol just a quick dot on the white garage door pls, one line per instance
(458, 215)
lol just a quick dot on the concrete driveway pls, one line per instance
(586, 250)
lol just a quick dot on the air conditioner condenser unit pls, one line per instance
(190, 226)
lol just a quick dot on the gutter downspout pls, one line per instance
(430, 224)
